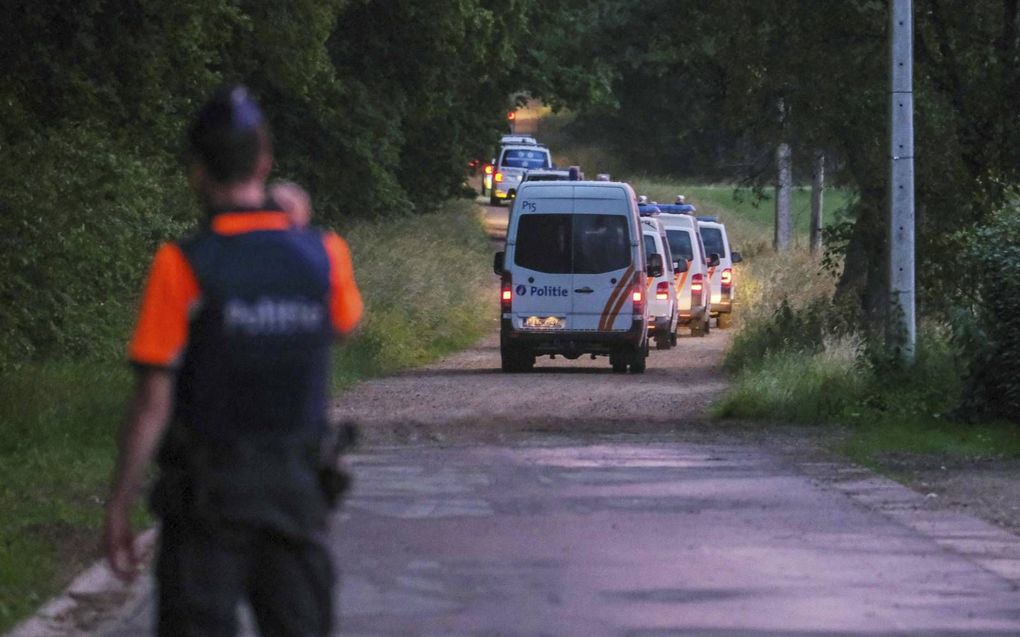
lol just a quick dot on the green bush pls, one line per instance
(803, 385)
(81, 216)
(803, 329)
(843, 379)
(992, 337)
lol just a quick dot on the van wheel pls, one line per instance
(493, 200)
(708, 325)
(698, 328)
(725, 321)
(672, 339)
(663, 342)
(619, 362)
(513, 361)
(639, 360)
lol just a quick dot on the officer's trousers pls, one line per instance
(203, 573)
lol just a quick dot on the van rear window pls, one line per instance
(529, 159)
(680, 244)
(713, 242)
(601, 243)
(544, 243)
(582, 244)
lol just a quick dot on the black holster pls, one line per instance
(334, 478)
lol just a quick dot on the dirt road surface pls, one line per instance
(575, 501)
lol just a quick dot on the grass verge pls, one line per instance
(425, 281)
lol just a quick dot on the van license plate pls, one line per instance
(545, 322)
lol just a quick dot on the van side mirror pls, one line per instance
(655, 267)
(679, 267)
(497, 262)
(735, 257)
(712, 260)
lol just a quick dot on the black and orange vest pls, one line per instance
(253, 378)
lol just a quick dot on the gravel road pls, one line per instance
(467, 398)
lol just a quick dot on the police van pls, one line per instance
(512, 163)
(660, 291)
(692, 267)
(720, 276)
(573, 276)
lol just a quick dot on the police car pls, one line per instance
(660, 291)
(721, 279)
(692, 266)
(490, 168)
(573, 276)
(513, 162)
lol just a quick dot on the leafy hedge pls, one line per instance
(81, 215)
(992, 336)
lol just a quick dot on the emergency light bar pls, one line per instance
(676, 209)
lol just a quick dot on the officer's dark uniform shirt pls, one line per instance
(244, 312)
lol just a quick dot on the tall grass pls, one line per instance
(424, 281)
(751, 216)
(799, 357)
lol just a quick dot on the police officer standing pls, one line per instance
(232, 356)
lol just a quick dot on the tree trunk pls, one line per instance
(865, 271)
(784, 191)
(817, 194)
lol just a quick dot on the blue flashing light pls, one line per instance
(648, 210)
(711, 219)
(677, 209)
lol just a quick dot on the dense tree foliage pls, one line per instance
(376, 106)
(711, 88)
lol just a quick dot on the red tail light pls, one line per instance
(498, 178)
(637, 297)
(697, 283)
(506, 294)
(489, 169)
(727, 278)
(662, 291)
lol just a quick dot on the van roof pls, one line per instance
(576, 190)
(517, 139)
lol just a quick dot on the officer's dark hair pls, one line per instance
(228, 134)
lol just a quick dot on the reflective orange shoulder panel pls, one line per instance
(345, 305)
(239, 223)
(162, 329)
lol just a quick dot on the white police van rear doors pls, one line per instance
(573, 275)
(540, 258)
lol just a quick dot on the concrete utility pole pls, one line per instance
(902, 325)
(817, 194)
(784, 190)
